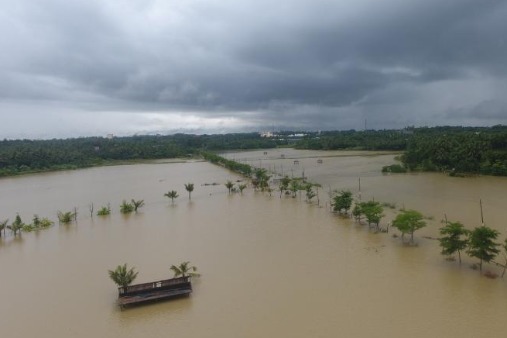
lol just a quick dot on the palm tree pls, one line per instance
(241, 187)
(184, 270)
(3, 225)
(137, 204)
(189, 187)
(122, 276)
(229, 185)
(172, 195)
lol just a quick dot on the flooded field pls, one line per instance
(270, 267)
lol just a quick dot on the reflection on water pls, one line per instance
(270, 267)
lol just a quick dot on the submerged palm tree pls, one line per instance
(122, 276)
(172, 195)
(184, 270)
(137, 204)
(189, 187)
(229, 185)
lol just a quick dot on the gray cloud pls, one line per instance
(241, 65)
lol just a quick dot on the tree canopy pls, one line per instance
(408, 221)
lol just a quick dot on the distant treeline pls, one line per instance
(360, 140)
(458, 150)
(451, 149)
(24, 156)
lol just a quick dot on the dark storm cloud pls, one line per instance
(303, 64)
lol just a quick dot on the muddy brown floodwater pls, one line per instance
(270, 267)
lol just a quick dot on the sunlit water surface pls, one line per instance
(271, 266)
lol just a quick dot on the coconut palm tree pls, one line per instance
(172, 195)
(241, 187)
(184, 270)
(189, 187)
(137, 204)
(122, 276)
(229, 185)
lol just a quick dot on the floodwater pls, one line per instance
(271, 267)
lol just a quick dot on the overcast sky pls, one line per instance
(93, 67)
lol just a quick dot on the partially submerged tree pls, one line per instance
(241, 187)
(189, 187)
(105, 210)
(66, 217)
(261, 179)
(284, 185)
(184, 270)
(373, 212)
(357, 212)
(123, 276)
(38, 224)
(454, 239)
(482, 245)
(309, 192)
(172, 195)
(17, 225)
(408, 221)
(126, 207)
(342, 201)
(3, 225)
(137, 204)
(229, 185)
(294, 187)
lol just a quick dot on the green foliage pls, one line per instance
(351, 139)
(342, 201)
(38, 224)
(184, 270)
(261, 179)
(241, 187)
(104, 211)
(126, 207)
(66, 217)
(284, 185)
(240, 168)
(172, 195)
(408, 221)
(17, 225)
(357, 212)
(25, 156)
(294, 186)
(229, 185)
(3, 226)
(394, 168)
(309, 192)
(137, 204)
(454, 239)
(123, 276)
(458, 150)
(482, 245)
(373, 212)
(189, 187)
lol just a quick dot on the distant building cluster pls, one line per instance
(270, 134)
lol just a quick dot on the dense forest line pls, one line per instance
(24, 156)
(455, 150)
